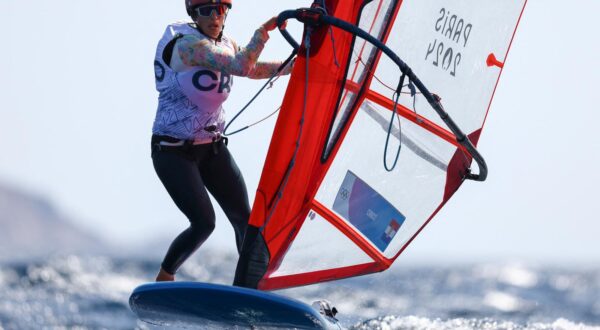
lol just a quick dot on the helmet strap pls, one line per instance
(221, 34)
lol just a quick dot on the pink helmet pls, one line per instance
(189, 4)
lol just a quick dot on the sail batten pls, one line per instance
(412, 116)
(343, 227)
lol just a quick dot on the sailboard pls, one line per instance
(214, 306)
(369, 143)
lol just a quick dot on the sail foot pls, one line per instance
(254, 259)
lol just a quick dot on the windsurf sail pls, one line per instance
(363, 154)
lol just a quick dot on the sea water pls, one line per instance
(91, 292)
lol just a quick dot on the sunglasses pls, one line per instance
(207, 10)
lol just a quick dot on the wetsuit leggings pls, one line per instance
(187, 173)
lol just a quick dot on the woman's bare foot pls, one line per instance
(163, 276)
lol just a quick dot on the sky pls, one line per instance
(78, 102)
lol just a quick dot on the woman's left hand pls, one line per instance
(271, 24)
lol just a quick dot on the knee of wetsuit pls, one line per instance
(203, 228)
(239, 219)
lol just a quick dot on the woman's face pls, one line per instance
(211, 25)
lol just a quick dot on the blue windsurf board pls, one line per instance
(204, 305)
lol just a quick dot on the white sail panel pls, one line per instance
(447, 45)
(374, 17)
(319, 245)
(415, 188)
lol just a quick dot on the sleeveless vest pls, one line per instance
(189, 101)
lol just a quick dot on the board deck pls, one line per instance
(205, 305)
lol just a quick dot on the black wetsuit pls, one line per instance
(187, 172)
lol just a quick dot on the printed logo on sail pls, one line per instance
(454, 34)
(390, 231)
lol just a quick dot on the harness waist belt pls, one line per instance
(169, 141)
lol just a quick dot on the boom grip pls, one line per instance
(284, 16)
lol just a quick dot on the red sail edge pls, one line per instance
(286, 214)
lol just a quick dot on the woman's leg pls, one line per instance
(225, 182)
(183, 182)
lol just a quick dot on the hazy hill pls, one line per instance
(31, 227)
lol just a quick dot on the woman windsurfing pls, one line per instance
(194, 67)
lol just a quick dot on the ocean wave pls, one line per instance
(86, 292)
(421, 323)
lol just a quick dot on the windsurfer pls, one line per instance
(194, 65)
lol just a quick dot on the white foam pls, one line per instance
(392, 322)
(563, 324)
(502, 301)
(518, 276)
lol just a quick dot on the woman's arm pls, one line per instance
(243, 62)
(263, 70)
(195, 52)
